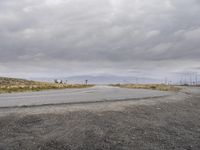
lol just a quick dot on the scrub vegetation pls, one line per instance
(9, 85)
(161, 87)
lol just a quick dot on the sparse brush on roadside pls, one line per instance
(161, 87)
(9, 85)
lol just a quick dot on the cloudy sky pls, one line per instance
(48, 38)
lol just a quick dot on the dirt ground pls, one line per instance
(169, 123)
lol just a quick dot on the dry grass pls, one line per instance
(161, 87)
(9, 85)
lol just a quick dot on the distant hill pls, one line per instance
(8, 85)
(4, 81)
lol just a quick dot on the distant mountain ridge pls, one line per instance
(109, 79)
(92, 79)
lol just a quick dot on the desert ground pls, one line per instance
(169, 121)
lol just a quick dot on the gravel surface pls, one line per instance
(167, 123)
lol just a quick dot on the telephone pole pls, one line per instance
(196, 78)
(86, 82)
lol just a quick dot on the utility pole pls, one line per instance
(190, 79)
(181, 80)
(185, 76)
(196, 78)
(86, 82)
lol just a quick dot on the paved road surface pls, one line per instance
(94, 94)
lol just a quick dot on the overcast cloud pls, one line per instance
(75, 37)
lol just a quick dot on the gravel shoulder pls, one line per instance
(171, 122)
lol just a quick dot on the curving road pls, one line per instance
(68, 96)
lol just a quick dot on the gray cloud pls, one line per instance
(46, 37)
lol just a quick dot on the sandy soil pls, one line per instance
(166, 123)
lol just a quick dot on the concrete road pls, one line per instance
(87, 95)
